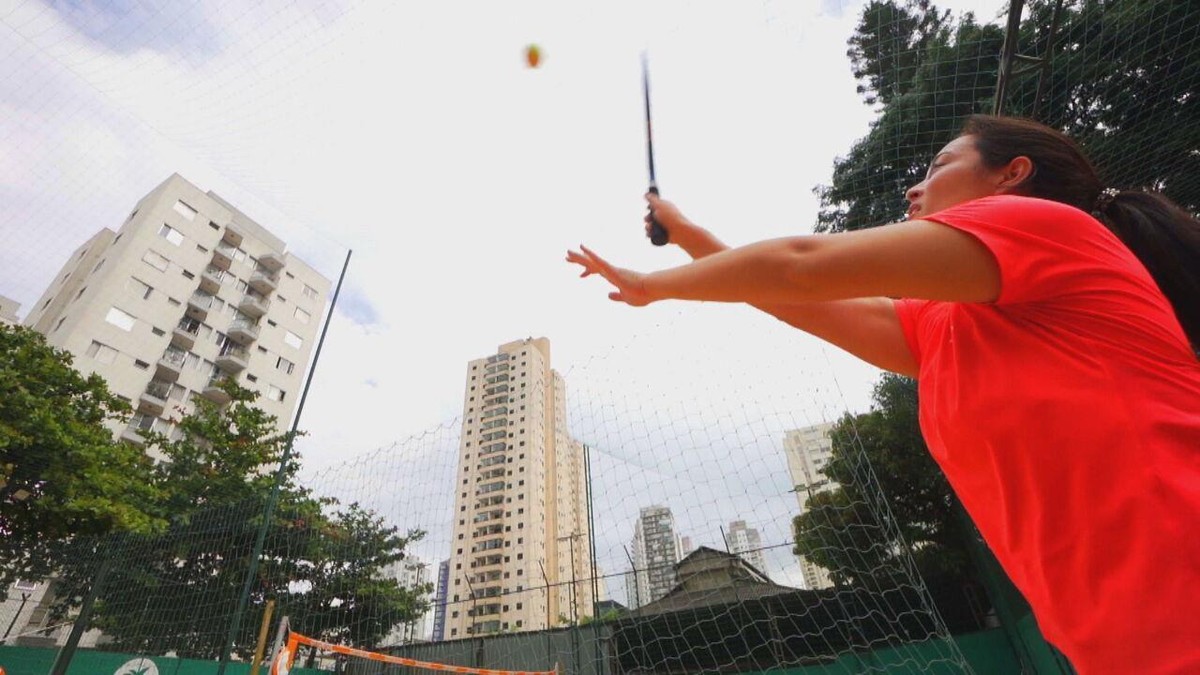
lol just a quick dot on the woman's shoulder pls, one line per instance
(1021, 204)
(1024, 214)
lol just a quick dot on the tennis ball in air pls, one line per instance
(533, 56)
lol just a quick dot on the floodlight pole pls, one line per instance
(252, 569)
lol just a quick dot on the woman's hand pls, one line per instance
(631, 288)
(693, 239)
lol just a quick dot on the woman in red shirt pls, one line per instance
(1052, 326)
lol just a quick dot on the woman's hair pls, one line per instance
(1161, 234)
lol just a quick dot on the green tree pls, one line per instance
(1122, 79)
(925, 72)
(881, 454)
(61, 473)
(177, 590)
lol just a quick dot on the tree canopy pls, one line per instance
(1121, 78)
(327, 565)
(61, 473)
(841, 529)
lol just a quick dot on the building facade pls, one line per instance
(8, 310)
(439, 602)
(656, 549)
(808, 450)
(520, 556)
(187, 291)
(413, 574)
(746, 543)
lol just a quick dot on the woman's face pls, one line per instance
(956, 175)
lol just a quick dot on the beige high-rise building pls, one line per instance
(187, 291)
(520, 557)
(808, 450)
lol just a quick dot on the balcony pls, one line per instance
(243, 332)
(254, 304)
(130, 435)
(211, 278)
(223, 256)
(153, 401)
(264, 281)
(233, 358)
(198, 305)
(171, 364)
(138, 426)
(213, 391)
(185, 334)
(232, 236)
(271, 260)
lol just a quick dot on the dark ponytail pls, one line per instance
(1167, 241)
(1164, 237)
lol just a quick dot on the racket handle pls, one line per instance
(658, 234)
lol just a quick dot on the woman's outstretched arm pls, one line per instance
(868, 328)
(833, 286)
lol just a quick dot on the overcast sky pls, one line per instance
(414, 134)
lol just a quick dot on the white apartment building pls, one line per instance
(187, 291)
(8, 310)
(656, 549)
(746, 543)
(808, 450)
(520, 553)
(413, 574)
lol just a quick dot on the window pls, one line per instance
(275, 393)
(251, 378)
(59, 324)
(170, 234)
(156, 261)
(101, 352)
(284, 365)
(80, 293)
(310, 292)
(141, 364)
(292, 340)
(185, 210)
(120, 319)
(97, 266)
(301, 315)
(139, 287)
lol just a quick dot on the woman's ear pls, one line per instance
(1014, 175)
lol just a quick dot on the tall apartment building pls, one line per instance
(188, 291)
(746, 543)
(808, 450)
(521, 545)
(656, 549)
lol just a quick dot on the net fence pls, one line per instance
(747, 517)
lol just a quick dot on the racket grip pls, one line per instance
(658, 234)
